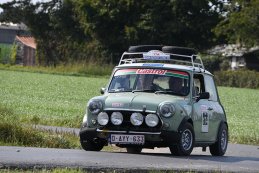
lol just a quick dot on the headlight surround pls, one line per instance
(136, 119)
(95, 106)
(151, 120)
(167, 110)
(85, 118)
(103, 118)
(116, 118)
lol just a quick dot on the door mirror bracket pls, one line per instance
(102, 90)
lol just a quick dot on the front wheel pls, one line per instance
(220, 147)
(185, 146)
(90, 145)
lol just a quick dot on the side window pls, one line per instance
(210, 87)
(198, 85)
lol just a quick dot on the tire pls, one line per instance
(91, 145)
(179, 50)
(134, 150)
(144, 48)
(219, 148)
(185, 145)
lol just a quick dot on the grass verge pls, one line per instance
(17, 134)
(12, 132)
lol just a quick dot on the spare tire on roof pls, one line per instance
(179, 50)
(144, 48)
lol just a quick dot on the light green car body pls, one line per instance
(205, 115)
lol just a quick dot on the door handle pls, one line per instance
(210, 109)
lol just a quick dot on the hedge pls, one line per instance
(239, 78)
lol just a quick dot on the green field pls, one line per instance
(61, 100)
(242, 109)
(48, 99)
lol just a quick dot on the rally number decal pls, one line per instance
(205, 122)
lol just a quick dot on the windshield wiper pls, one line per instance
(146, 90)
(168, 92)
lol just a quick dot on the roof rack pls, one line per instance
(157, 56)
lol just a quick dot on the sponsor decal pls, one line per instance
(205, 119)
(205, 122)
(203, 108)
(152, 71)
(156, 55)
(117, 105)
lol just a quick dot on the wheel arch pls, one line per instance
(186, 119)
(219, 127)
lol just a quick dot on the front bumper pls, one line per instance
(152, 139)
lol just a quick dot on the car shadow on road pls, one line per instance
(228, 158)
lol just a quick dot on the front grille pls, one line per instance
(127, 126)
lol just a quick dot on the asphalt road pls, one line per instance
(239, 158)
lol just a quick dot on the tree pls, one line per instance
(51, 23)
(26, 12)
(69, 30)
(241, 23)
(116, 24)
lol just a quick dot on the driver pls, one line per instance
(176, 85)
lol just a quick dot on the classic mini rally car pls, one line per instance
(158, 96)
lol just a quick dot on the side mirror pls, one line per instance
(102, 90)
(204, 95)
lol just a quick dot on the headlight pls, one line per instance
(95, 106)
(103, 118)
(136, 119)
(116, 118)
(151, 120)
(167, 110)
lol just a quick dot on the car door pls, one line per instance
(203, 110)
(216, 110)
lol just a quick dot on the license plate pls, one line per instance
(127, 139)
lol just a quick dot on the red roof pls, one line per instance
(28, 41)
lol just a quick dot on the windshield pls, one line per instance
(159, 81)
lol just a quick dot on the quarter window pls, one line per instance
(210, 87)
(198, 84)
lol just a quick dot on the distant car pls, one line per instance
(158, 96)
